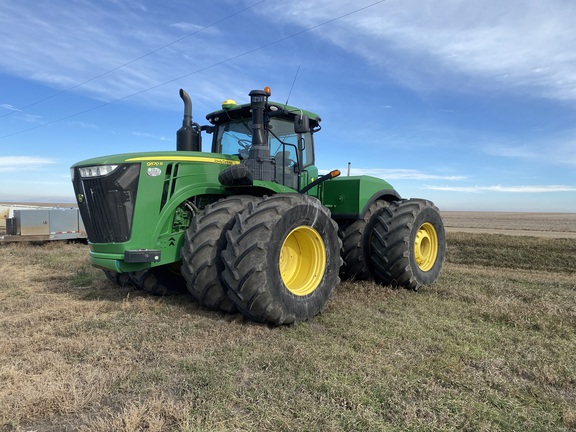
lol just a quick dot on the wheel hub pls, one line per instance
(426, 246)
(302, 260)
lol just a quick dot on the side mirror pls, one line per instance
(301, 124)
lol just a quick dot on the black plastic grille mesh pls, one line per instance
(107, 203)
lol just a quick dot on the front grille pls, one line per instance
(107, 203)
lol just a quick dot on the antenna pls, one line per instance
(293, 82)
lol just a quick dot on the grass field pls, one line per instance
(550, 225)
(490, 347)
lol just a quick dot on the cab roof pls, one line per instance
(244, 111)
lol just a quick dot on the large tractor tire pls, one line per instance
(120, 279)
(160, 281)
(205, 240)
(282, 259)
(356, 243)
(408, 244)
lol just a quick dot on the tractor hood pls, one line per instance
(165, 156)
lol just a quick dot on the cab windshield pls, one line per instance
(235, 138)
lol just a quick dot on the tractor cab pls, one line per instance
(282, 149)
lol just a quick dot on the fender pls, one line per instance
(349, 197)
(388, 195)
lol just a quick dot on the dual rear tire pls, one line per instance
(401, 244)
(275, 259)
(356, 236)
(282, 259)
(407, 244)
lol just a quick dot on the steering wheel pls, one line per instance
(244, 150)
(245, 144)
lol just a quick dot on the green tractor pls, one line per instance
(251, 226)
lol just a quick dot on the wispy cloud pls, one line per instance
(401, 174)
(23, 163)
(523, 44)
(557, 151)
(503, 189)
(186, 27)
(30, 118)
(139, 6)
(151, 136)
(83, 125)
(513, 151)
(9, 107)
(90, 43)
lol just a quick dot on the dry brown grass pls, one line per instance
(551, 225)
(487, 348)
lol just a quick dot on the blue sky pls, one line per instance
(469, 104)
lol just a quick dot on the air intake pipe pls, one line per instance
(259, 162)
(188, 137)
(259, 149)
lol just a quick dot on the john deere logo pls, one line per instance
(80, 198)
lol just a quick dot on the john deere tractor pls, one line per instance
(251, 226)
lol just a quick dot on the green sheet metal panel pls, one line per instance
(347, 197)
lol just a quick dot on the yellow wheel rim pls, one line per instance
(426, 246)
(302, 260)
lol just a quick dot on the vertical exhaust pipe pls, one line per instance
(188, 136)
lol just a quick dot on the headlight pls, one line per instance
(96, 171)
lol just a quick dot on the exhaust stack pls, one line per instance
(188, 136)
